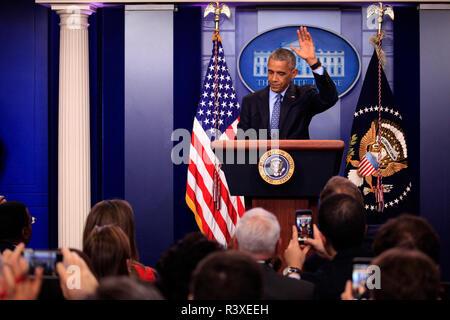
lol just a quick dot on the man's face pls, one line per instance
(279, 74)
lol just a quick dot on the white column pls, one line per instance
(74, 182)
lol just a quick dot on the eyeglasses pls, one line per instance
(33, 220)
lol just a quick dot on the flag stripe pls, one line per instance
(208, 198)
(208, 155)
(211, 229)
(225, 210)
(210, 169)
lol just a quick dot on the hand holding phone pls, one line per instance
(360, 275)
(303, 222)
(47, 259)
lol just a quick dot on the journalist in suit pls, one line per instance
(258, 235)
(283, 108)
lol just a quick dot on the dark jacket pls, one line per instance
(300, 104)
(278, 287)
(331, 277)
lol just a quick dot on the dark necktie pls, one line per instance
(275, 120)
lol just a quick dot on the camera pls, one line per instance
(46, 259)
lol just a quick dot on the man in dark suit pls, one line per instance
(342, 224)
(258, 235)
(284, 110)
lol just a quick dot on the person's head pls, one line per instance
(342, 221)
(406, 275)
(408, 231)
(118, 212)
(258, 233)
(15, 223)
(281, 69)
(109, 251)
(339, 184)
(124, 288)
(177, 264)
(227, 275)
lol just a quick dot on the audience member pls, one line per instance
(109, 251)
(177, 264)
(258, 234)
(406, 274)
(227, 275)
(408, 231)
(335, 185)
(125, 288)
(339, 184)
(15, 225)
(120, 213)
(342, 225)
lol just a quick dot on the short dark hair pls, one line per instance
(125, 288)
(109, 249)
(342, 221)
(283, 54)
(406, 275)
(13, 218)
(177, 264)
(339, 184)
(408, 231)
(228, 275)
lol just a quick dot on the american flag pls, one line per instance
(217, 112)
(368, 165)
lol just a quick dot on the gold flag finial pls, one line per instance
(217, 9)
(380, 11)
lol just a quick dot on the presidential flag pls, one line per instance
(369, 157)
(216, 118)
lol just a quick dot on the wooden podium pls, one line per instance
(315, 162)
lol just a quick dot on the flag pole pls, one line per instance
(217, 9)
(380, 10)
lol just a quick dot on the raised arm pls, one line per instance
(307, 51)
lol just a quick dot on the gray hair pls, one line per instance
(283, 54)
(258, 231)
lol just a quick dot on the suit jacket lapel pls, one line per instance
(288, 99)
(264, 109)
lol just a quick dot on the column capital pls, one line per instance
(74, 16)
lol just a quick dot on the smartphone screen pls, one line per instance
(303, 221)
(359, 278)
(46, 259)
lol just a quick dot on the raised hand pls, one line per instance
(307, 51)
(295, 255)
(76, 279)
(318, 245)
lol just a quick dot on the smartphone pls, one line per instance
(304, 223)
(360, 275)
(47, 259)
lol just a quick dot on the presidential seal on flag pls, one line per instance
(393, 151)
(370, 157)
(276, 166)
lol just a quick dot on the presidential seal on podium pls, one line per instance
(276, 166)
